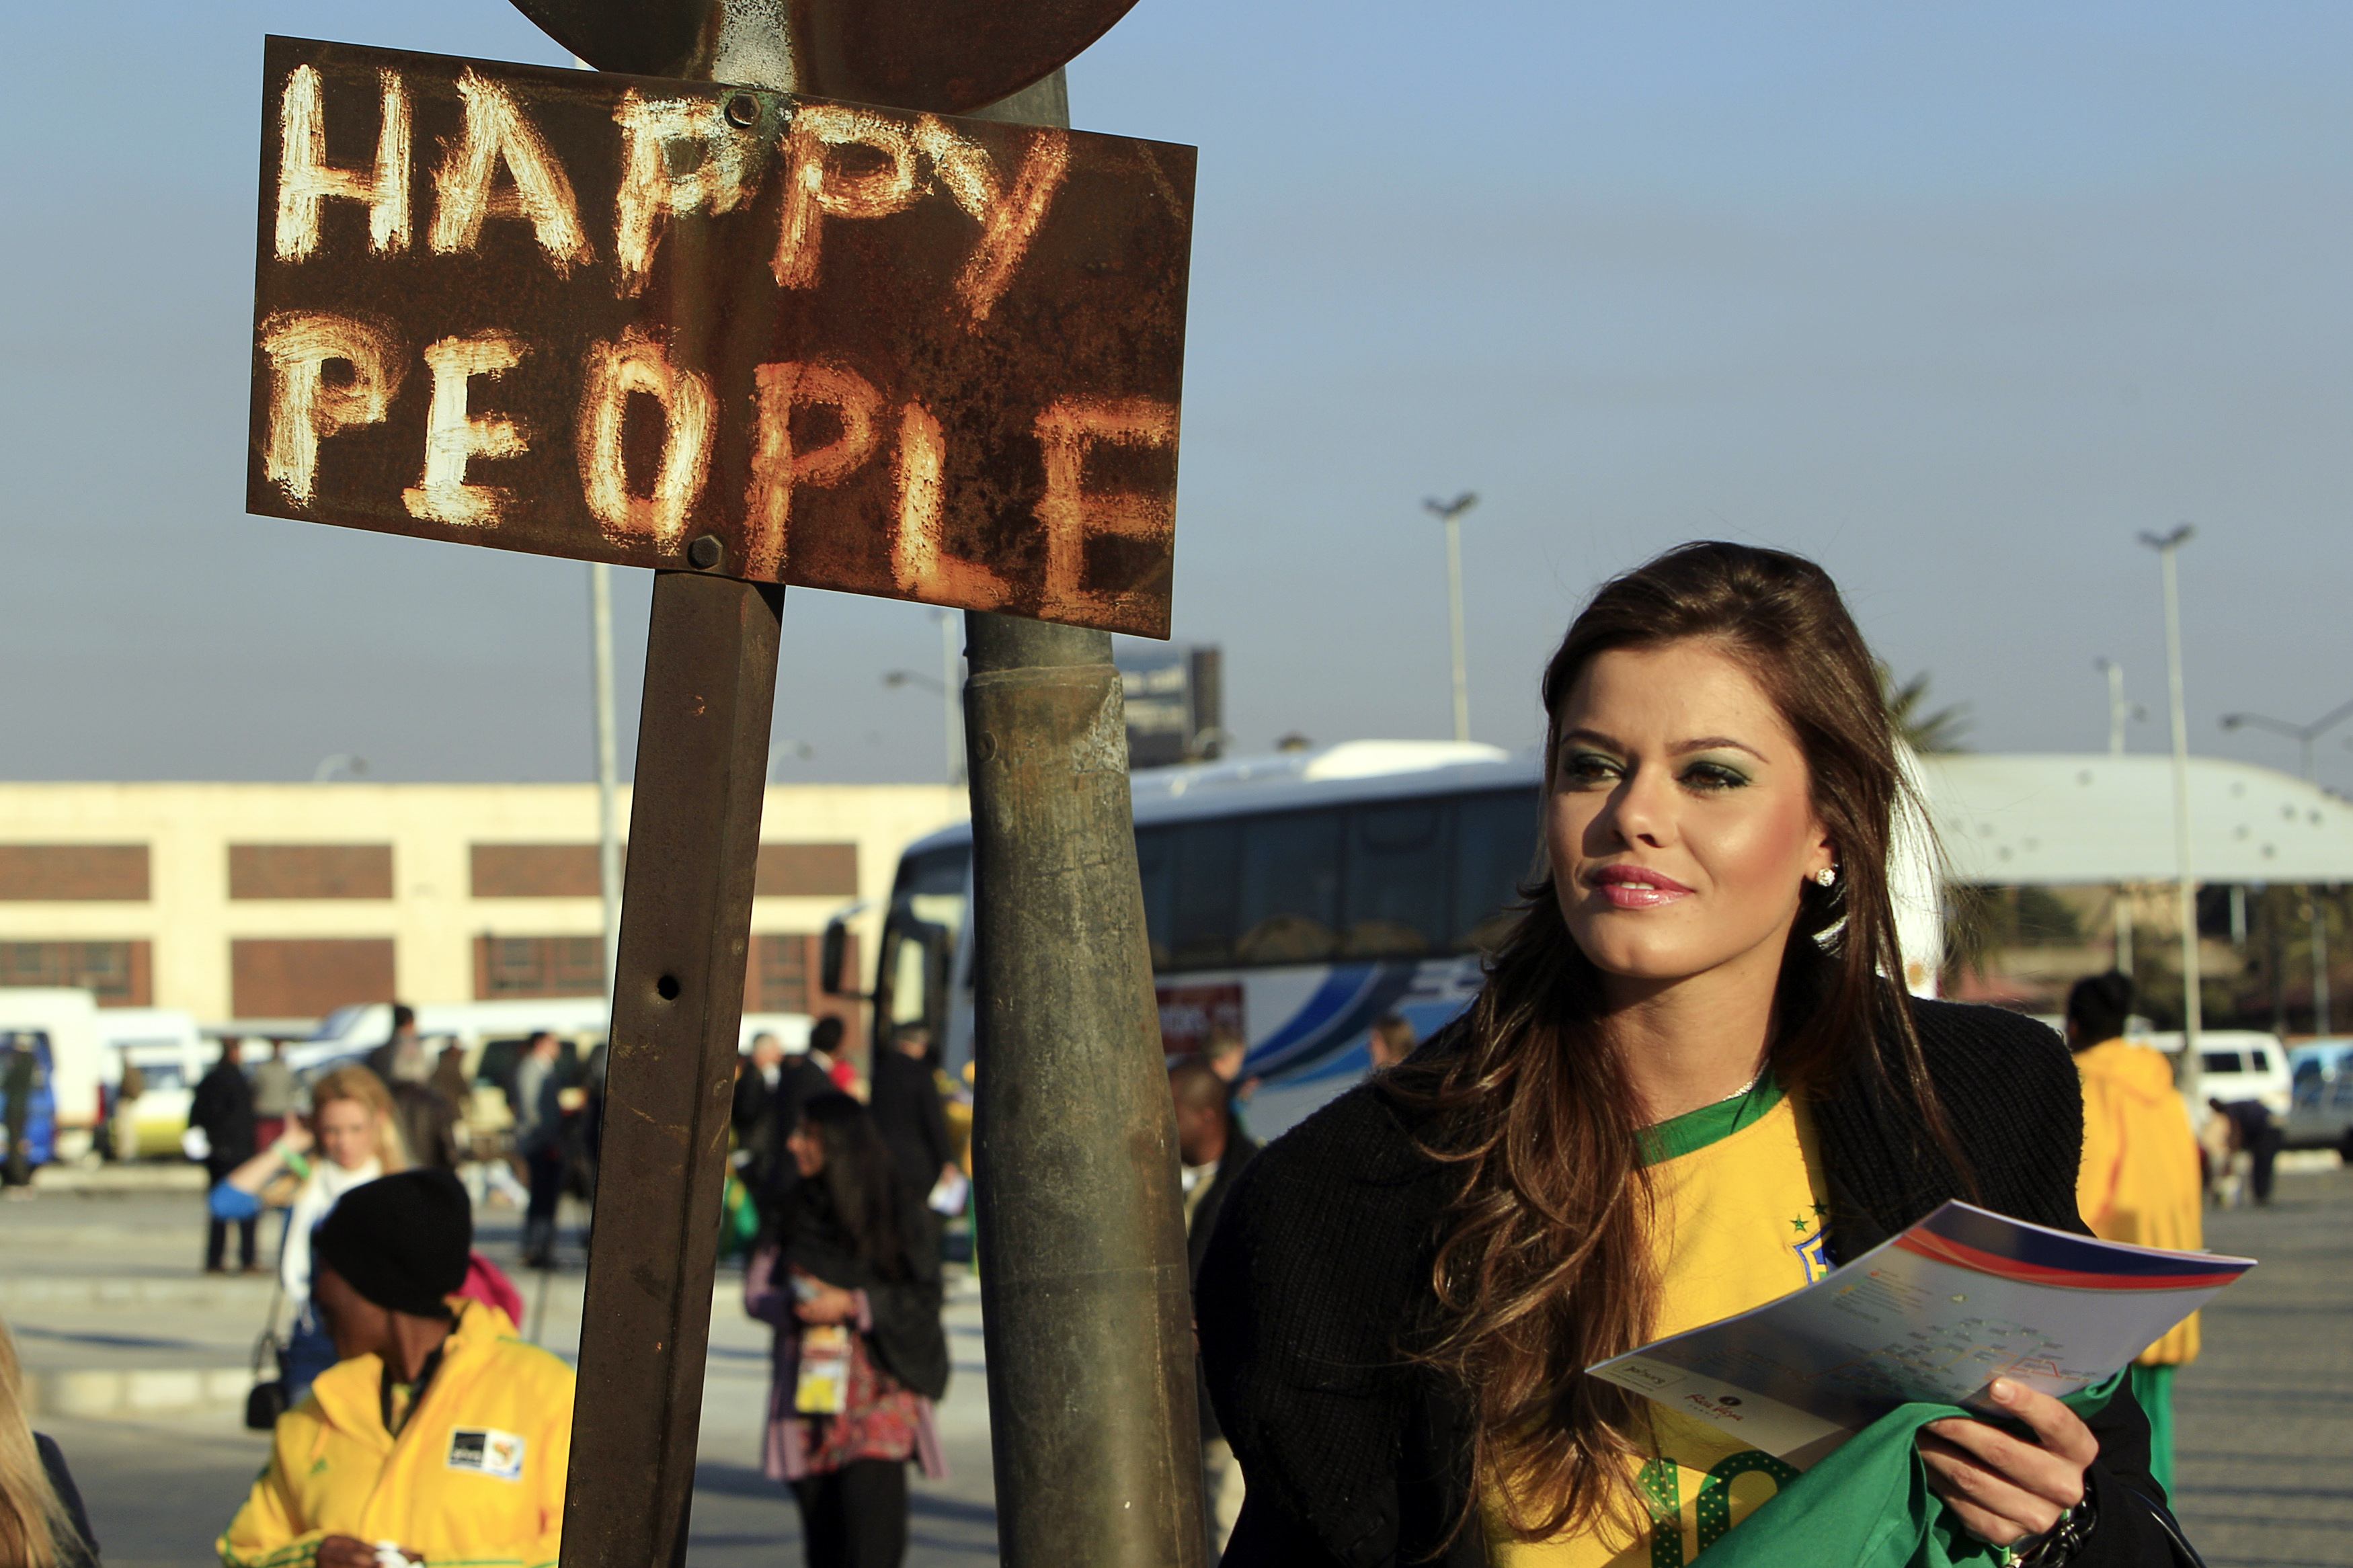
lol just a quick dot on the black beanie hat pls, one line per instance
(401, 1241)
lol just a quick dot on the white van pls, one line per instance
(65, 1020)
(2233, 1064)
(171, 1055)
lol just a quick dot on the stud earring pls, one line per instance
(1826, 877)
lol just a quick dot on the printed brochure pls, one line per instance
(1934, 1314)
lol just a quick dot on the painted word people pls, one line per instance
(309, 405)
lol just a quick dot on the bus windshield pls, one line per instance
(1425, 876)
(919, 936)
(1418, 877)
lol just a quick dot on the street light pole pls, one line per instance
(2167, 546)
(1450, 512)
(951, 696)
(609, 777)
(2119, 712)
(2305, 736)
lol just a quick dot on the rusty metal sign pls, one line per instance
(947, 55)
(670, 324)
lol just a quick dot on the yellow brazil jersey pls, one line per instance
(475, 1478)
(1739, 1212)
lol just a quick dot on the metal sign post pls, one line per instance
(748, 337)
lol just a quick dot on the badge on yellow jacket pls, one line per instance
(475, 1478)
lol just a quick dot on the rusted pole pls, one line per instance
(1093, 1421)
(686, 914)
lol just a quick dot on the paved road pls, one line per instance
(2266, 1416)
(2266, 1412)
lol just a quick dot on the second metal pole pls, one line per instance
(1092, 1409)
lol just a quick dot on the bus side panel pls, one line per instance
(1308, 1024)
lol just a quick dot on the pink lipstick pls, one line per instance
(1637, 887)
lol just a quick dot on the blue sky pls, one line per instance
(1956, 298)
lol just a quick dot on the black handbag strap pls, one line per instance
(2184, 1555)
(267, 1346)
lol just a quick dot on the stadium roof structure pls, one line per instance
(2058, 819)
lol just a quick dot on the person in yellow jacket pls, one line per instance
(439, 1433)
(2139, 1180)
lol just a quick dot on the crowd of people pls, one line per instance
(1686, 1040)
(388, 1300)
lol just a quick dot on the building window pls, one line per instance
(806, 871)
(535, 870)
(307, 977)
(524, 966)
(781, 967)
(118, 974)
(310, 871)
(62, 873)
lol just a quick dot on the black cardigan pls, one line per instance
(1320, 1265)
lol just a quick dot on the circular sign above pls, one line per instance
(945, 55)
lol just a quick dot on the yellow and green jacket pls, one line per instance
(474, 1480)
(2139, 1182)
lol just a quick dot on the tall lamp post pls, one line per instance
(2303, 735)
(609, 772)
(2120, 712)
(946, 688)
(2167, 546)
(1450, 512)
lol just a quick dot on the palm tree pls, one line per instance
(1944, 730)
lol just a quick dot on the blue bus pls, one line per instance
(1292, 900)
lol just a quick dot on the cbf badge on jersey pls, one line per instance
(486, 1451)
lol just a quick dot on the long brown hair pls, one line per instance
(1544, 1266)
(33, 1529)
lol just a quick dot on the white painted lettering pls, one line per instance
(305, 178)
(817, 186)
(919, 563)
(305, 407)
(497, 132)
(777, 470)
(652, 185)
(1009, 220)
(638, 363)
(454, 436)
(1072, 515)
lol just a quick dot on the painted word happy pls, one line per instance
(671, 324)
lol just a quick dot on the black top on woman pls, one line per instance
(1400, 1299)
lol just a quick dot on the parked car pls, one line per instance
(2320, 1113)
(2233, 1064)
(171, 1055)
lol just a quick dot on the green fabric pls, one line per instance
(1695, 1130)
(1869, 1505)
(741, 1222)
(2153, 1386)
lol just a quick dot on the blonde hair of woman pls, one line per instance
(34, 1527)
(352, 1136)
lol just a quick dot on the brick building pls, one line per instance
(281, 902)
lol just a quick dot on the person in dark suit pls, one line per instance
(905, 1099)
(758, 1072)
(1214, 1150)
(222, 1107)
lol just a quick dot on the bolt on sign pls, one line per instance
(675, 324)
